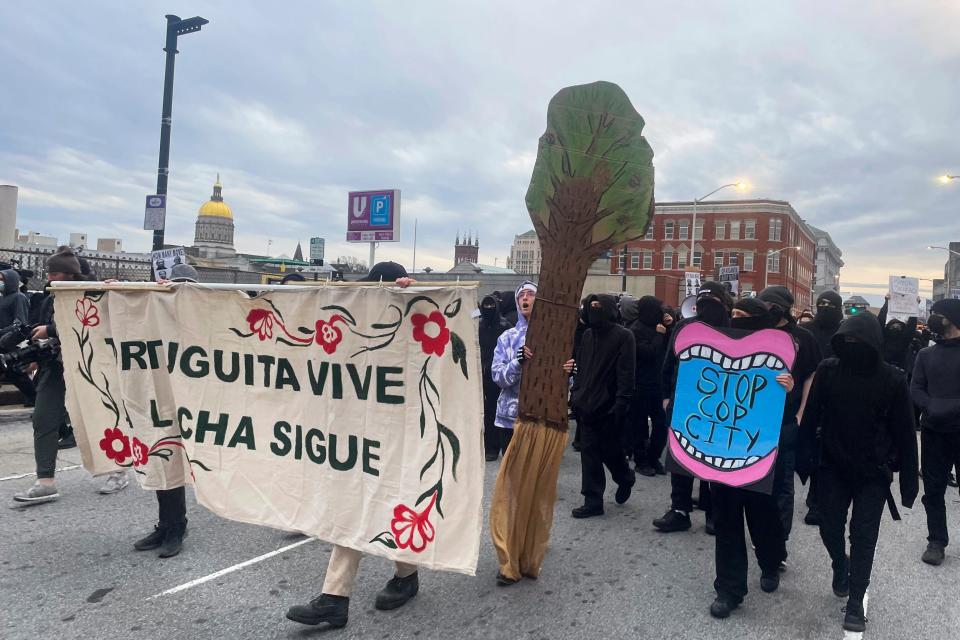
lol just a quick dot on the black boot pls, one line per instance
(173, 540)
(397, 592)
(841, 579)
(672, 521)
(722, 606)
(152, 540)
(854, 620)
(587, 511)
(325, 608)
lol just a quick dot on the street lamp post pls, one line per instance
(742, 186)
(766, 267)
(948, 272)
(175, 28)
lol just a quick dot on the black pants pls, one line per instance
(506, 436)
(23, 383)
(763, 520)
(783, 483)
(940, 453)
(681, 494)
(868, 497)
(173, 507)
(491, 435)
(601, 444)
(649, 426)
(812, 494)
(48, 415)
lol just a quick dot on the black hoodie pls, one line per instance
(490, 330)
(14, 306)
(606, 362)
(862, 415)
(827, 321)
(645, 314)
(936, 386)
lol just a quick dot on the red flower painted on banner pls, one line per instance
(431, 332)
(261, 323)
(328, 335)
(140, 452)
(87, 312)
(115, 445)
(412, 530)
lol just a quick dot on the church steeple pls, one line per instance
(217, 190)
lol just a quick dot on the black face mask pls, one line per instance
(489, 314)
(777, 313)
(597, 318)
(829, 316)
(858, 357)
(750, 323)
(712, 312)
(935, 324)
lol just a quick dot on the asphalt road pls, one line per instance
(68, 570)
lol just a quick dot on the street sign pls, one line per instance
(164, 260)
(730, 278)
(373, 216)
(155, 215)
(317, 246)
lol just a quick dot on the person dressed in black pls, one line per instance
(492, 325)
(857, 431)
(650, 336)
(603, 383)
(780, 301)
(732, 504)
(508, 309)
(823, 327)
(582, 323)
(14, 311)
(899, 340)
(714, 304)
(935, 388)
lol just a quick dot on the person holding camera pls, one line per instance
(50, 411)
(15, 311)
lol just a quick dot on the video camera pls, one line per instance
(13, 355)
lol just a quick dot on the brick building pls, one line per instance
(728, 233)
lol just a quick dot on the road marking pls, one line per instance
(18, 476)
(236, 567)
(857, 635)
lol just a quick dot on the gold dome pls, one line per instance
(215, 206)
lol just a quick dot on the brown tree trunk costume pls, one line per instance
(592, 188)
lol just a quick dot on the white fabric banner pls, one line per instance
(353, 414)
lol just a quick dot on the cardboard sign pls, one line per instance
(730, 278)
(728, 405)
(349, 414)
(903, 298)
(164, 260)
(692, 283)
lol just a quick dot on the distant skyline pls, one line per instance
(845, 109)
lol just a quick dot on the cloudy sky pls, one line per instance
(849, 110)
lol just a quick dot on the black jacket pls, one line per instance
(936, 386)
(606, 363)
(898, 340)
(651, 345)
(823, 332)
(14, 306)
(488, 334)
(860, 424)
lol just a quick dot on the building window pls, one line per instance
(734, 260)
(776, 226)
(621, 261)
(734, 230)
(634, 260)
(773, 263)
(648, 260)
(684, 229)
(668, 230)
(750, 230)
(697, 258)
(668, 259)
(698, 231)
(682, 259)
(649, 235)
(748, 261)
(720, 230)
(718, 259)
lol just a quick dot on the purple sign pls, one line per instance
(373, 216)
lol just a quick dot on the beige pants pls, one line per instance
(342, 571)
(521, 512)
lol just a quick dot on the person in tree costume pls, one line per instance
(591, 189)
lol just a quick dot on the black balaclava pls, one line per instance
(857, 344)
(780, 300)
(949, 309)
(857, 356)
(649, 311)
(488, 310)
(758, 318)
(603, 318)
(829, 310)
(713, 304)
(584, 315)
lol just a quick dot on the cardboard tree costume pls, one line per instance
(592, 188)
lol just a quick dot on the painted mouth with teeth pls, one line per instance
(725, 424)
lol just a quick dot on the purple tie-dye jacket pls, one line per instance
(506, 371)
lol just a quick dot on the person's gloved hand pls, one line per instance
(524, 353)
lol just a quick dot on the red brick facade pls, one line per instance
(738, 232)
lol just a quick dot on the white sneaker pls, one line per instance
(116, 481)
(38, 493)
